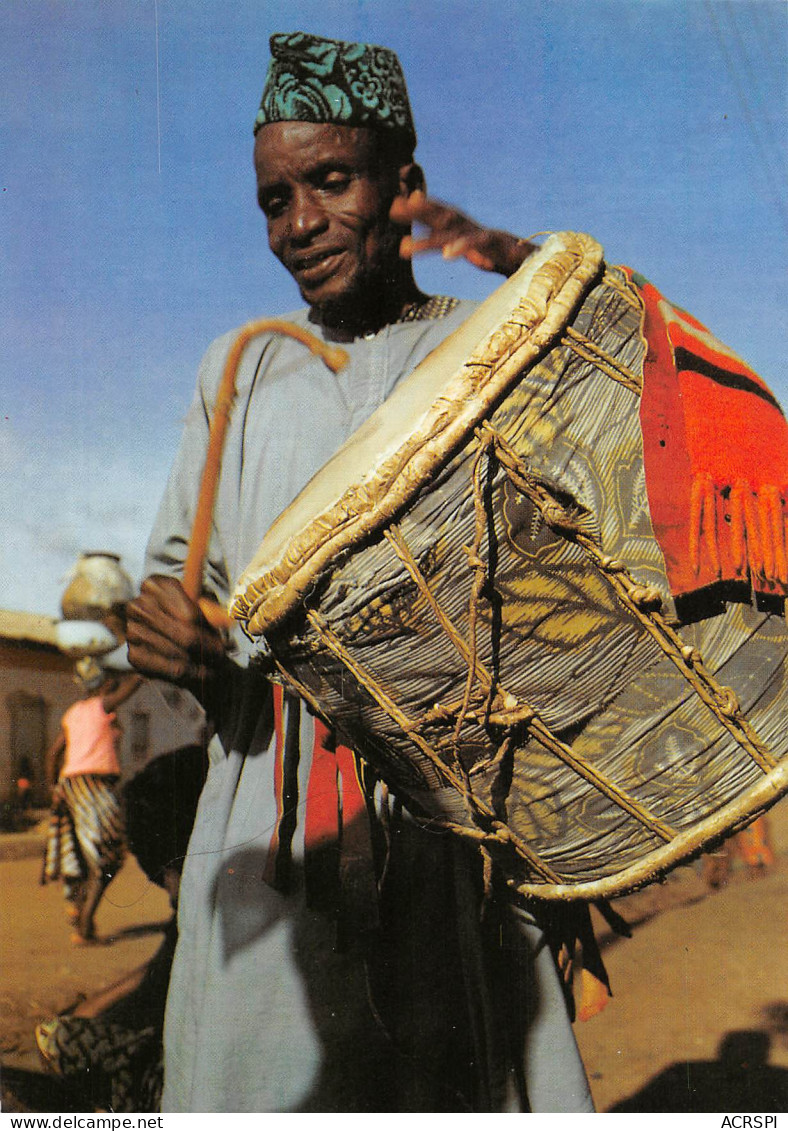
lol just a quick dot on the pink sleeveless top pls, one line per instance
(91, 739)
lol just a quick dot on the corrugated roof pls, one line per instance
(32, 627)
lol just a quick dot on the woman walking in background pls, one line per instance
(86, 841)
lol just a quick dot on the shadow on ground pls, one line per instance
(25, 1091)
(740, 1079)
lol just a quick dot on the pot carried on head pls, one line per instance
(534, 630)
(94, 610)
(98, 588)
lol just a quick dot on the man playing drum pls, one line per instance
(333, 955)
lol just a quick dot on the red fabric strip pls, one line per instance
(715, 451)
(322, 795)
(269, 872)
(354, 805)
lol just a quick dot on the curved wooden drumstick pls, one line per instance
(334, 357)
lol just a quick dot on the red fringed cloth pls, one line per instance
(715, 449)
(339, 863)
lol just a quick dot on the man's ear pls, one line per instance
(411, 179)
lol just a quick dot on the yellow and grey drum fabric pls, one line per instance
(482, 609)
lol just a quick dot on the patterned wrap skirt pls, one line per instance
(86, 830)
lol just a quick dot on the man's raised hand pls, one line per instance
(455, 235)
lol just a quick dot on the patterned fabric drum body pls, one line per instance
(471, 592)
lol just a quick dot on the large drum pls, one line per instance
(472, 593)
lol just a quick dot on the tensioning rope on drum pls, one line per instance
(644, 602)
(509, 712)
(477, 565)
(641, 600)
(589, 351)
(333, 356)
(499, 833)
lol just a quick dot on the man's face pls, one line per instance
(327, 203)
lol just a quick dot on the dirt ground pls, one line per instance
(699, 1017)
(43, 974)
(699, 1020)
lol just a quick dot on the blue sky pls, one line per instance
(131, 235)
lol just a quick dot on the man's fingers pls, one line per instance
(420, 209)
(168, 635)
(400, 212)
(164, 607)
(479, 260)
(410, 246)
(455, 234)
(172, 637)
(179, 670)
(467, 249)
(169, 595)
(416, 206)
(144, 635)
(454, 248)
(157, 654)
(451, 248)
(451, 232)
(154, 663)
(146, 620)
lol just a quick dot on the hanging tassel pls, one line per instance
(709, 526)
(703, 523)
(738, 546)
(777, 525)
(695, 520)
(767, 542)
(273, 863)
(487, 881)
(752, 525)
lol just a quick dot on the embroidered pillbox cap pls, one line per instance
(312, 79)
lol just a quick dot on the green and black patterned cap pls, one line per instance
(311, 79)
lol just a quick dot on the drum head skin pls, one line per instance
(471, 593)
